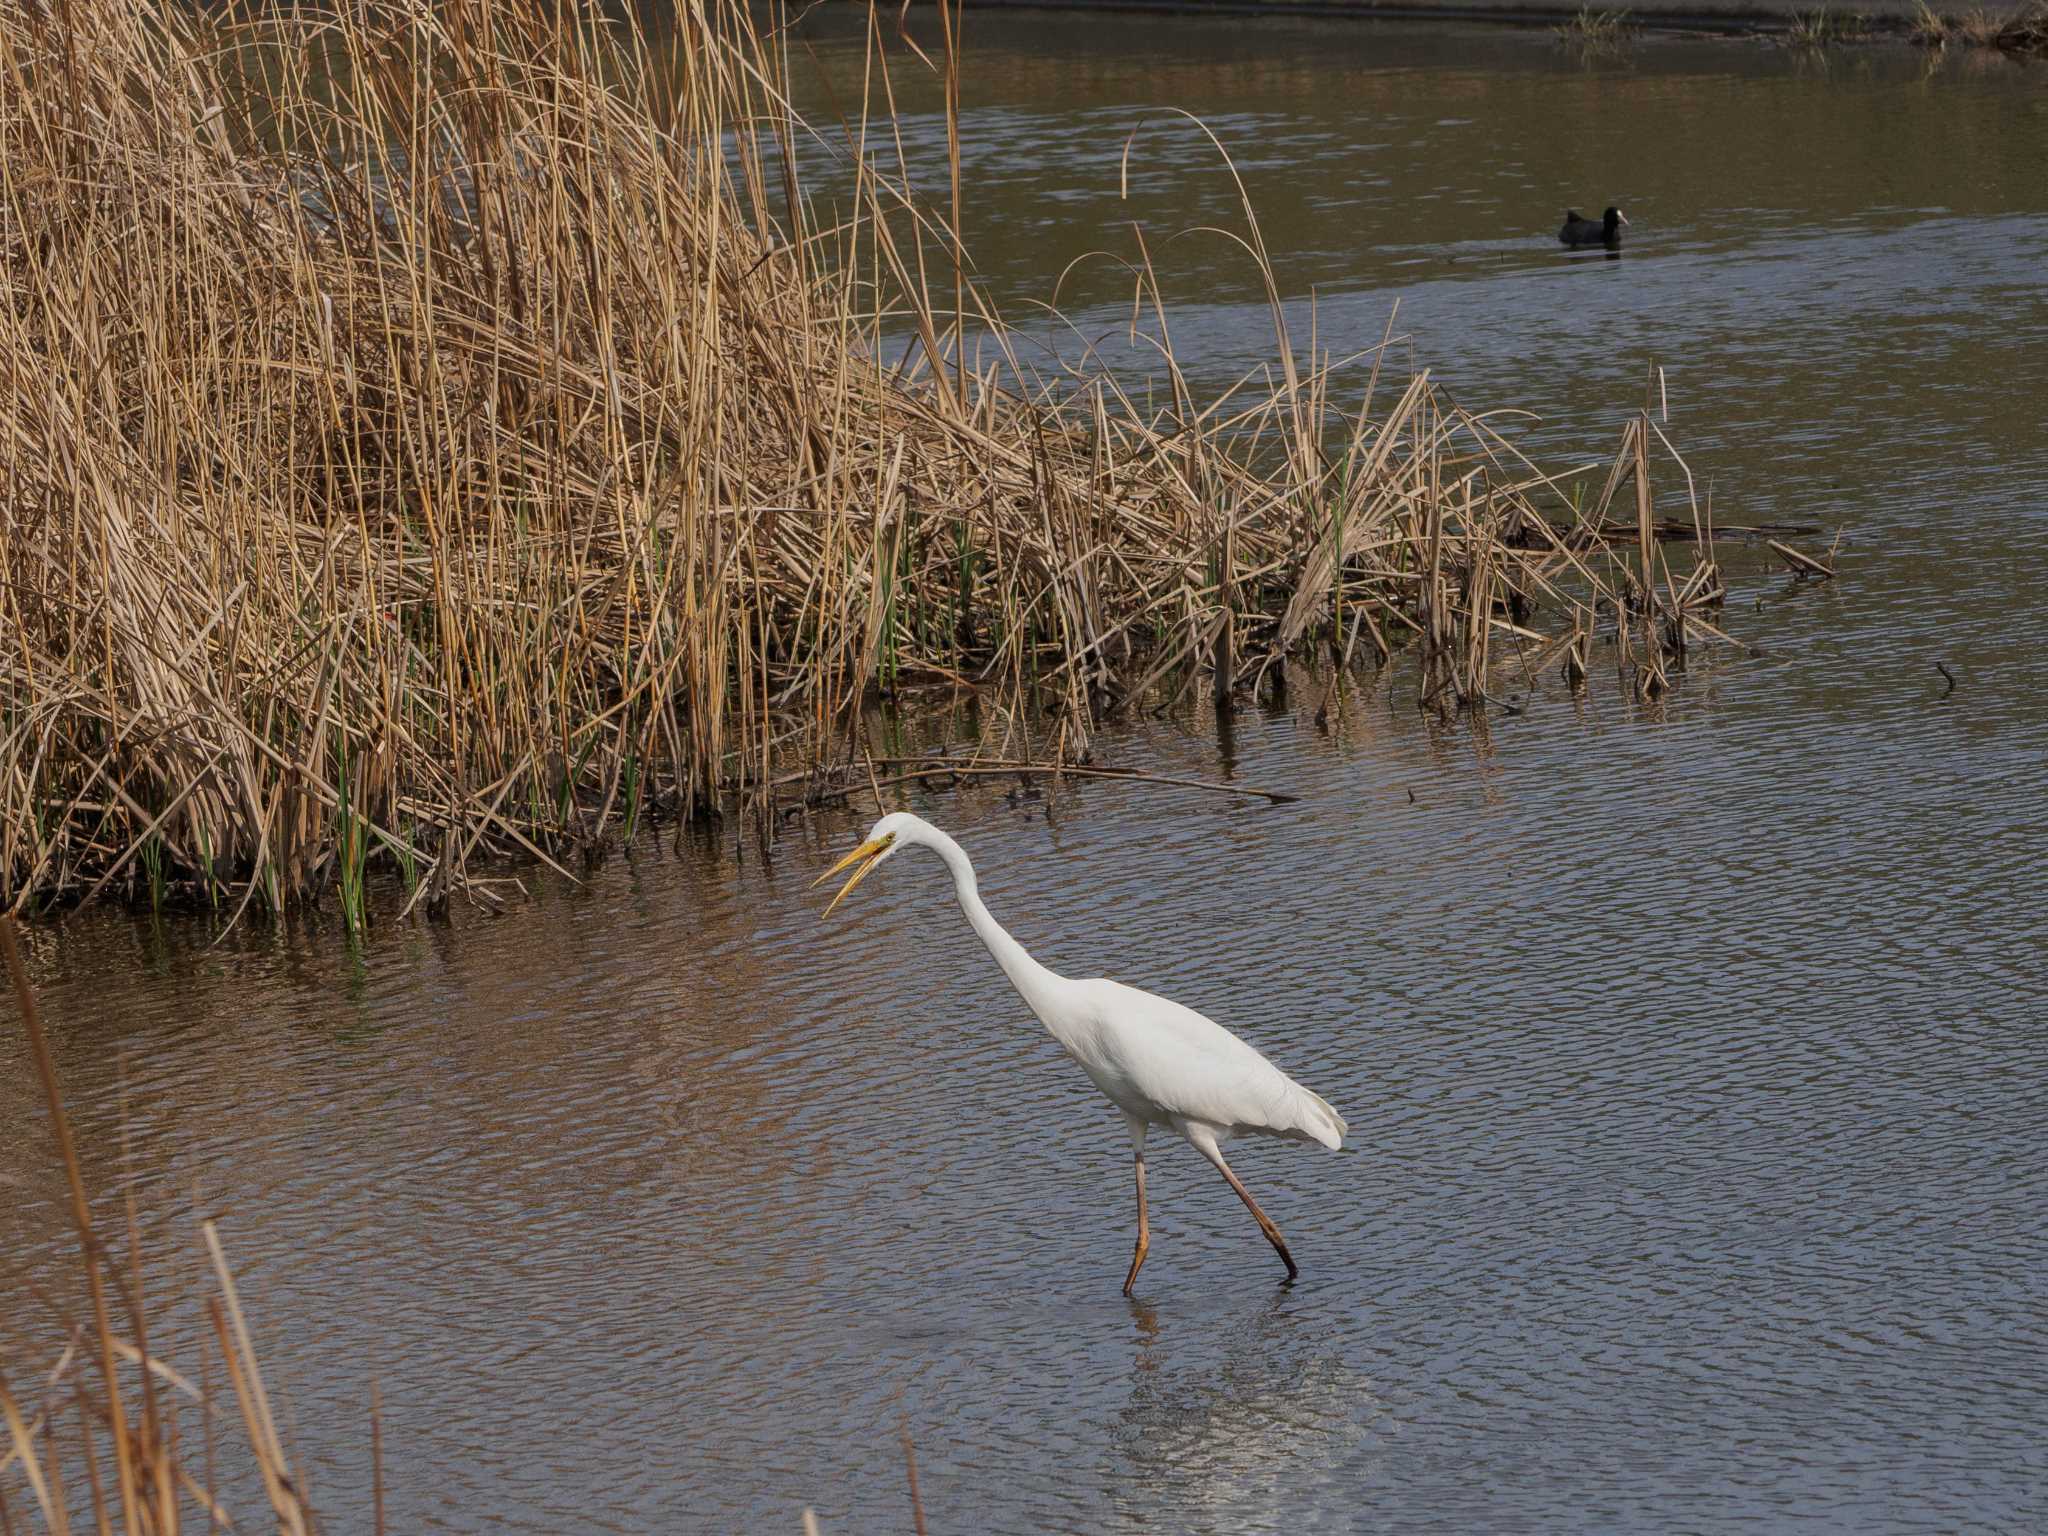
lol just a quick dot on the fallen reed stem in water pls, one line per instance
(1804, 566)
(941, 770)
(443, 432)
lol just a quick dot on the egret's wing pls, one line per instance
(1188, 1065)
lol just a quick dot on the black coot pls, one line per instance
(1605, 231)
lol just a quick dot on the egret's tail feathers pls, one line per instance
(1315, 1120)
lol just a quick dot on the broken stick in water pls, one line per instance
(1128, 775)
(1805, 567)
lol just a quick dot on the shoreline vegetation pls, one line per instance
(441, 434)
(2020, 30)
(2017, 27)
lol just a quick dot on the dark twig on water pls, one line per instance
(1667, 531)
(1944, 671)
(1805, 567)
(377, 1456)
(1129, 775)
(910, 1469)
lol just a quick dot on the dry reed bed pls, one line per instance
(438, 433)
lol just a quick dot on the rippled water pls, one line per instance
(1694, 1054)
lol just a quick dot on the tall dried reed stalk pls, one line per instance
(434, 431)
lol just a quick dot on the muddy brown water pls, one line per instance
(1696, 1055)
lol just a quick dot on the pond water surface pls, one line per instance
(1694, 1053)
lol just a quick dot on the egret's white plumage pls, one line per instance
(1159, 1062)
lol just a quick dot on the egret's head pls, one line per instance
(885, 838)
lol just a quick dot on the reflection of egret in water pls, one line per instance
(1146, 1316)
(1234, 1420)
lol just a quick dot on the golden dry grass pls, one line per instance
(440, 432)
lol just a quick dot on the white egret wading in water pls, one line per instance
(1158, 1062)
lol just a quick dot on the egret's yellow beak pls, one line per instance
(871, 851)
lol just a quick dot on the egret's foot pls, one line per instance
(1137, 1263)
(1279, 1244)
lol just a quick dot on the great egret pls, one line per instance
(1158, 1062)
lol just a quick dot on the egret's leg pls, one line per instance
(1206, 1145)
(1144, 1234)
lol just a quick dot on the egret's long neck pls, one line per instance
(1026, 974)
